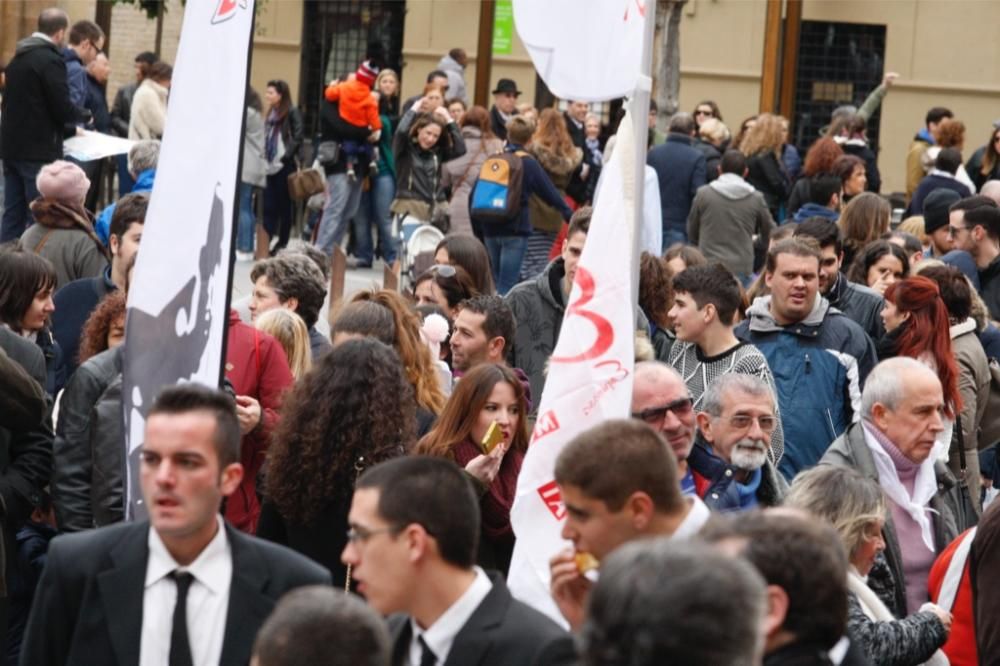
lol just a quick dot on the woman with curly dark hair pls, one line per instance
(396, 321)
(354, 409)
(105, 328)
(487, 394)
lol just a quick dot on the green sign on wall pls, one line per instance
(503, 28)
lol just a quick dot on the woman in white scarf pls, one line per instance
(856, 507)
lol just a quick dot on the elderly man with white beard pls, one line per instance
(729, 459)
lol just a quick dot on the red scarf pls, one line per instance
(497, 502)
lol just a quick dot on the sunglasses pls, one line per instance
(680, 408)
(444, 270)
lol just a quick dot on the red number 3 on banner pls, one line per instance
(605, 331)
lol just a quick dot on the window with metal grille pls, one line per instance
(839, 63)
(335, 36)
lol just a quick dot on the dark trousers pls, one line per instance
(278, 209)
(19, 191)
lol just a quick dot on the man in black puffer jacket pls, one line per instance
(37, 114)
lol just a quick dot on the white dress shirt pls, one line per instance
(697, 515)
(440, 635)
(207, 601)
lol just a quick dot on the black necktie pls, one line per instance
(427, 657)
(180, 646)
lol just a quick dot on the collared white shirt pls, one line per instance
(440, 635)
(697, 515)
(207, 601)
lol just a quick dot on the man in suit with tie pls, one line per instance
(182, 589)
(414, 528)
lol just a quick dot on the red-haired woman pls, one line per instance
(819, 159)
(917, 325)
(487, 394)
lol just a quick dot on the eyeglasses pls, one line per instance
(680, 409)
(954, 231)
(744, 421)
(358, 534)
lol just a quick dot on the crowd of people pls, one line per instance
(807, 475)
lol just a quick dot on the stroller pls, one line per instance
(417, 242)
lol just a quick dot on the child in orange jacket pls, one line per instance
(358, 108)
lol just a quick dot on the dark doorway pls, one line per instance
(335, 37)
(838, 64)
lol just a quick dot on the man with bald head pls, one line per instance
(662, 401)
(991, 189)
(896, 444)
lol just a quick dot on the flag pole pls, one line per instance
(639, 111)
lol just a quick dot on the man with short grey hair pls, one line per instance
(704, 608)
(142, 159)
(680, 169)
(730, 457)
(897, 444)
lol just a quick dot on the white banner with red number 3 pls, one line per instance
(569, 58)
(589, 379)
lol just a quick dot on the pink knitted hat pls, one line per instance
(63, 181)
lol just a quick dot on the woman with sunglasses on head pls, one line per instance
(445, 286)
(469, 253)
(487, 405)
(354, 409)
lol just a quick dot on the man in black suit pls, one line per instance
(37, 114)
(576, 116)
(414, 528)
(504, 106)
(183, 588)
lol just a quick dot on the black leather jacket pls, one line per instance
(75, 449)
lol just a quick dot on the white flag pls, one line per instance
(176, 322)
(589, 380)
(587, 50)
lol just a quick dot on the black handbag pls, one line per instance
(966, 514)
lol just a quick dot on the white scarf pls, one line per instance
(924, 487)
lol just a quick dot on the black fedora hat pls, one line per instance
(506, 86)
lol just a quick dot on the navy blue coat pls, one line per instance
(930, 183)
(819, 365)
(680, 169)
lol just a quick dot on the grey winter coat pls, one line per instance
(851, 450)
(254, 162)
(538, 310)
(725, 216)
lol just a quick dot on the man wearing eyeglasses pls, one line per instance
(414, 532)
(661, 400)
(974, 227)
(730, 455)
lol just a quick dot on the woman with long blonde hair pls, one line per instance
(553, 148)
(405, 337)
(762, 146)
(290, 331)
